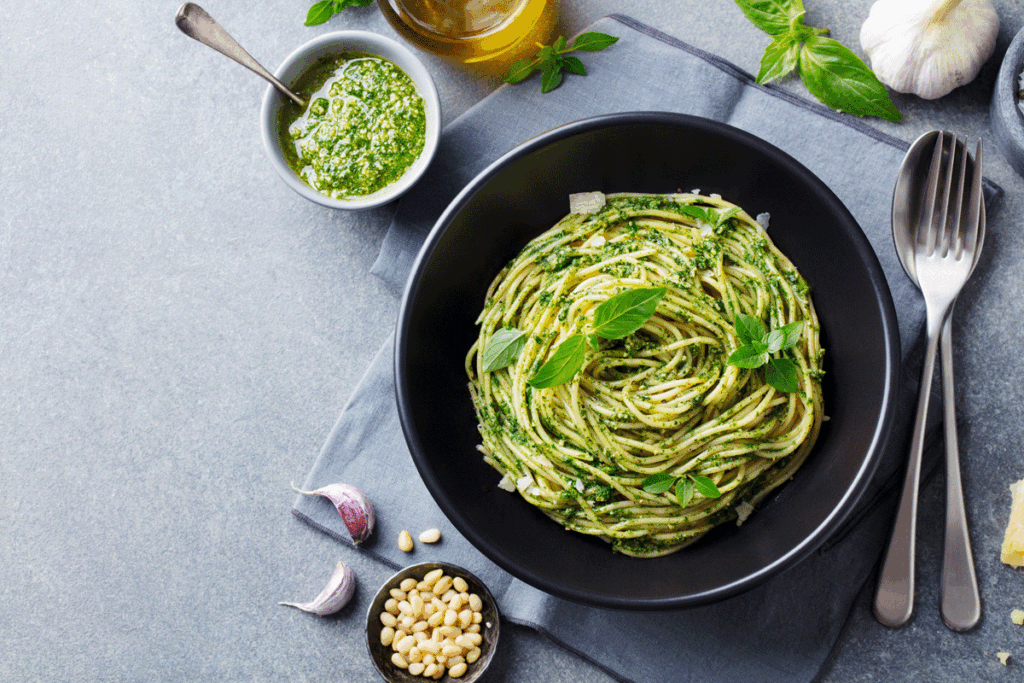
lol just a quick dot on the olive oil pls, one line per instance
(484, 35)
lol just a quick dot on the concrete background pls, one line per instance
(179, 331)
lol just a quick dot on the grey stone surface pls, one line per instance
(179, 332)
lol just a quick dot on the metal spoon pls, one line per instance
(959, 598)
(194, 22)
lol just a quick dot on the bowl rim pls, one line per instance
(361, 41)
(839, 514)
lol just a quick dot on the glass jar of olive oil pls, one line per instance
(485, 35)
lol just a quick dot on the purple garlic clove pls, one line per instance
(353, 506)
(334, 596)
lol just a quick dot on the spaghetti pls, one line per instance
(661, 401)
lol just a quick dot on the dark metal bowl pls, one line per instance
(524, 193)
(381, 654)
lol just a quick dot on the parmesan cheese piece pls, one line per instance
(1013, 542)
(1004, 657)
(586, 202)
(1017, 616)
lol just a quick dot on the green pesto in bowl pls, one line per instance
(365, 125)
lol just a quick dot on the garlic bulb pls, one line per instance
(929, 47)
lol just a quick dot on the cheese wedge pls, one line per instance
(1013, 542)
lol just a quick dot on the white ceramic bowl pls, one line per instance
(335, 43)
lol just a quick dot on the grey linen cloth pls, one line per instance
(781, 631)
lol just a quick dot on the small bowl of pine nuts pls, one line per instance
(432, 621)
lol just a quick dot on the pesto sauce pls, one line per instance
(364, 127)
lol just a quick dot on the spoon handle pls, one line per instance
(959, 598)
(196, 23)
(894, 597)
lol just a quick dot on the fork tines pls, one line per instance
(946, 226)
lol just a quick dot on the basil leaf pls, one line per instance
(503, 349)
(781, 374)
(626, 312)
(559, 44)
(749, 356)
(550, 79)
(684, 491)
(706, 486)
(838, 77)
(573, 65)
(749, 328)
(722, 217)
(592, 42)
(792, 333)
(698, 212)
(658, 483)
(780, 58)
(320, 12)
(563, 365)
(772, 16)
(595, 342)
(775, 340)
(520, 70)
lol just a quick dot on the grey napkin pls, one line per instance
(781, 631)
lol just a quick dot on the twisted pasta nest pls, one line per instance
(661, 400)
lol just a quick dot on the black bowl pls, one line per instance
(524, 193)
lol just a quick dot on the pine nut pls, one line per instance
(408, 584)
(405, 541)
(388, 619)
(430, 536)
(477, 617)
(416, 668)
(387, 636)
(404, 607)
(451, 650)
(475, 603)
(472, 628)
(458, 670)
(414, 654)
(416, 603)
(473, 655)
(430, 670)
(465, 617)
(443, 584)
(432, 576)
(391, 606)
(436, 618)
(398, 594)
(405, 644)
(420, 627)
(450, 617)
(456, 603)
(399, 661)
(459, 583)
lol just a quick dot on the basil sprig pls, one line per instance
(830, 71)
(758, 346)
(552, 59)
(325, 9)
(684, 486)
(618, 317)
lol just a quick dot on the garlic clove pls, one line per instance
(334, 596)
(353, 506)
(929, 47)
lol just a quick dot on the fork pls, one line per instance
(943, 257)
